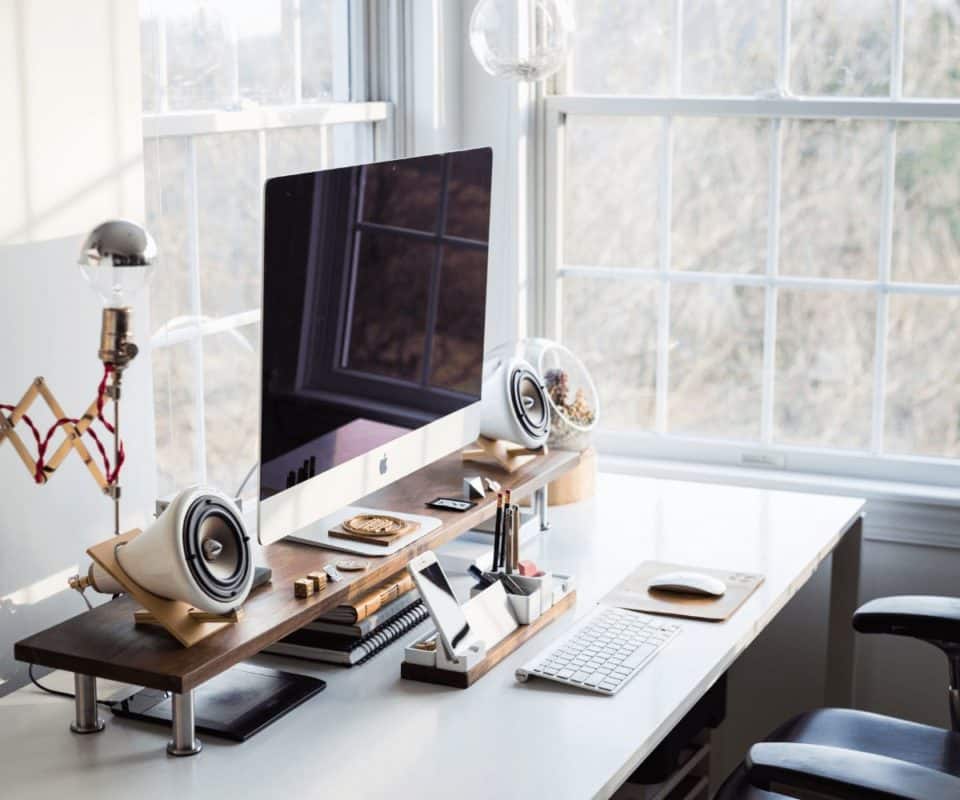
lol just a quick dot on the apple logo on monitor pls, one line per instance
(383, 464)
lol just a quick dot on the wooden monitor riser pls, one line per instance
(105, 642)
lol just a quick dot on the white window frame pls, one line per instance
(370, 48)
(659, 444)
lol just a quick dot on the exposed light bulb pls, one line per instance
(117, 260)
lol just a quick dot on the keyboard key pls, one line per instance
(580, 677)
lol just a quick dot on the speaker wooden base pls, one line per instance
(499, 452)
(173, 615)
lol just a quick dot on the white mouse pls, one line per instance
(689, 583)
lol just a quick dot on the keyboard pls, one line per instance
(603, 651)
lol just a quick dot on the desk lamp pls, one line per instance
(117, 260)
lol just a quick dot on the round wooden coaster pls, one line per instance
(351, 565)
(378, 525)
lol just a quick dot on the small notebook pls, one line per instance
(633, 592)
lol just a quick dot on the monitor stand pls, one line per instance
(318, 533)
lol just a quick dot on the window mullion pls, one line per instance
(884, 259)
(783, 59)
(663, 290)
(771, 293)
(196, 308)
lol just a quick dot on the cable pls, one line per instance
(58, 693)
(236, 494)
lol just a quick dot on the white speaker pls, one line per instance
(196, 551)
(514, 403)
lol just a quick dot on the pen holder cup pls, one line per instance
(525, 607)
(542, 585)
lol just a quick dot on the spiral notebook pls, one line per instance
(348, 650)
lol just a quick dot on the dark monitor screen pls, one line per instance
(374, 294)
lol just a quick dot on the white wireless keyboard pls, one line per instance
(603, 651)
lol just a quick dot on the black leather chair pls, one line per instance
(844, 753)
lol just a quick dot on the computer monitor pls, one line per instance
(374, 296)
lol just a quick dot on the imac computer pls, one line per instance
(374, 296)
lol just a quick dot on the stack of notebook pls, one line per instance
(354, 632)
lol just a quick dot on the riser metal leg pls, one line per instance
(85, 689)
(185, 741)
(541, 502)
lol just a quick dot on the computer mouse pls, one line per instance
(689, 583)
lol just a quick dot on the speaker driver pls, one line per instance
(529, 402)
(216, 548)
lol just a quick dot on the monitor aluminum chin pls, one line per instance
(302, 505)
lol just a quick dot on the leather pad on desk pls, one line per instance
(633, 592)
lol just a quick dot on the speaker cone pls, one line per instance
(216, 548)
(529, 402)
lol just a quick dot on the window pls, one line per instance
(752, 231)
(233, 93)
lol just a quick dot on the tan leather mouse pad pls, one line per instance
(634, 592)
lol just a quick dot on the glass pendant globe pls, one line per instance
(527, 40)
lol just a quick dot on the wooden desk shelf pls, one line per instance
(105, 643)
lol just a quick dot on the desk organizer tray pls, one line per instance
(434, 666)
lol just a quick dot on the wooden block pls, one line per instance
(302, 587)
(319, 580)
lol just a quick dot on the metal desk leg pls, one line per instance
(185, 741)
(844, 591)
(540, 501)
(85, 692)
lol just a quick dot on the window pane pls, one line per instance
(165, 182)
(612, 327)
(319, 41)
(824, 377)
(831, 198)
(176, 425)
(392, 272)
(231, 384)
(220, 54)
(931, 49)
(622, 48)
(729, 48)
(923, 351)
(926, 221)
(611, 190)
(456, 347)
(228, 202)
(720, 194)
(841, 47)
(294, 150)
(405, 193)
(716, 360)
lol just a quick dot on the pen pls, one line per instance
(504, 552)
(496, 532)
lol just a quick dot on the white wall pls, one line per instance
(70, 134)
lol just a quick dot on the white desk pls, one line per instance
(373, 735)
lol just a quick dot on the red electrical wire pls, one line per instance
(42, 443)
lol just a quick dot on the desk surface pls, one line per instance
(373, 735)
